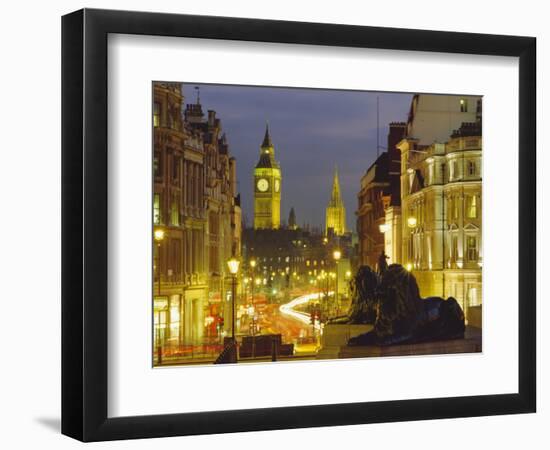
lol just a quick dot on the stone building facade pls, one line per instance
(441, 195)
(195, 205)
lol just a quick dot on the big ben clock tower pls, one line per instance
(267, 187)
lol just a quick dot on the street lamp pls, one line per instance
(337, 254)
(158, 235)
(233, 264)
(252, 264)
(348, 288)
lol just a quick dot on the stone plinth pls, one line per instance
(336, 336)
(470, 344)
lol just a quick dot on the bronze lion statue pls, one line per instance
(363, 298)
(400, 314)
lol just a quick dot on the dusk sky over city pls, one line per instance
(313, 131)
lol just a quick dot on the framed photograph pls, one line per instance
(273, 225)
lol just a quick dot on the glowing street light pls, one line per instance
(233, 265)
(411, 222)
(158, 234)
(252, 264)
(337, 254)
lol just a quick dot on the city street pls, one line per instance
(294, 326)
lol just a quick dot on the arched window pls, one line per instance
(471, 206)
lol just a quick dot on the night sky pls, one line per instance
(312, 131)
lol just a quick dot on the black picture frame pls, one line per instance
(84, 224)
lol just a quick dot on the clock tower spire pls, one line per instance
(267, 187)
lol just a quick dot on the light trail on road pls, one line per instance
(288, 308)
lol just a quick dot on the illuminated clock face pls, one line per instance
(263, 185)
(277, 185)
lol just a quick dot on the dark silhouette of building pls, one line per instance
(380, 189)
(292, 219)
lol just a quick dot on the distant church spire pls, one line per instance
(336, 197)
(336, 211)
(292, 219)
(198, 89)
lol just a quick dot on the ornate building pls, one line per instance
(441, 206)
(179, 218)
(335, 223)
(194, 217)
(267, 187)
(223, 212)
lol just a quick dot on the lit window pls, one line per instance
(156, 209)
(472, 207)
(160, 327)
(174, 318)
(156, 114)
(473, 296)
(471, 248)
(174, 213)
(463, 105)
